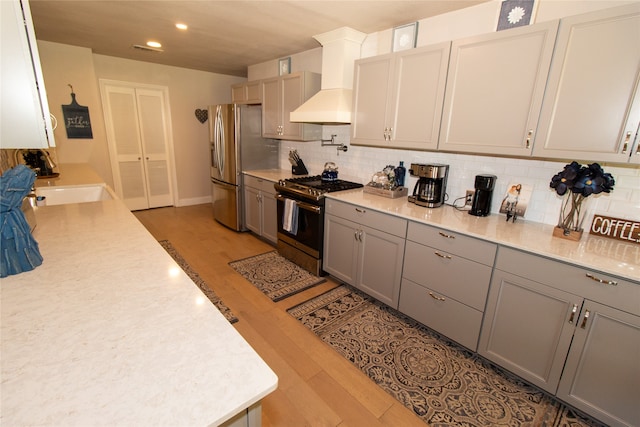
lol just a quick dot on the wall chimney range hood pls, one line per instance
(332, 105)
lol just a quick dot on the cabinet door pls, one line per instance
(371, 88)
(416, 102)
(271, 110)
(340, 248)
(269, 217)
(25, 111)
(380, 265)
(527, 328)
(252, 217)
(291, 93)
(494, 90)
(602, 374)
(591, 108)
(238, 93)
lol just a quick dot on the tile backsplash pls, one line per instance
(360, 163)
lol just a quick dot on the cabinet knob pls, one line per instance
(627, 137)
(574, 310)
(584, 319)
(606, 282)
(436, 297)
(448, 236)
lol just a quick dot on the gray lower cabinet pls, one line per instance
(445, 281)
(543, 323)
(260, 208)
(364, 249)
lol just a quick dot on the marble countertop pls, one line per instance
(110, 331)
(606, 255)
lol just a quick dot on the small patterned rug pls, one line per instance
(441, 382)
(215, 299)
(274, 275)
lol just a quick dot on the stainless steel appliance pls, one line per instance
(235, 134)
(301, 218)
(431, 188)
(481, 202)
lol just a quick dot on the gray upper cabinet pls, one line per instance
(25, 114)
(398, 98)
(495, 88)
(591, 108)
(280, 96)
(246, 93)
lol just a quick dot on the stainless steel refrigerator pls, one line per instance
(235, 134)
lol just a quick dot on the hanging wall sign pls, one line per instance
(76, 119)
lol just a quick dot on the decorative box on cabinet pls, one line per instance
(365, 249)
(445, 281)
(26, 121)
(542, 313)
(260, 208)
(591, 107)
(280, 96)
(494, 91)
(246, 93)
(398, 98)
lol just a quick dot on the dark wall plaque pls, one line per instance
(76, 119)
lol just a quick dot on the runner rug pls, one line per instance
(275, 276)
(215, 299)
(441, 382)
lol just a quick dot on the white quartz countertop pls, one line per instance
(603, 254)
(110, 331)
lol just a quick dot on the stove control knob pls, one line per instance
(282, 182)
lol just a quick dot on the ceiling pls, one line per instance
(224, 36)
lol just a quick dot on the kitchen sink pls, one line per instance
(75, 194)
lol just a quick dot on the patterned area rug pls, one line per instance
(215, 299)
(441, 382)
(275, 276)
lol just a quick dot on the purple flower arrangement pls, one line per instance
(578, 182)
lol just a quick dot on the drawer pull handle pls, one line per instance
(443, 256)
(436, 297)
(360, 210)
(584, 319)
(606, 282)
(448, 236)
(574, 310)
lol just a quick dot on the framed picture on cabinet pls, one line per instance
(405, 37)
(515, 13)
(284, 66)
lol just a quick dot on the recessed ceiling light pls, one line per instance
(154, 44)
(181, 26)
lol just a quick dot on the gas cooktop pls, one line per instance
(313, 186)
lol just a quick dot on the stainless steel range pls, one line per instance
(301, 218)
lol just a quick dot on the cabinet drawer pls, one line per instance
(259, 184)
(370, 218)
(454, 243)
(625, 295)
(450, 275)
(449, 317)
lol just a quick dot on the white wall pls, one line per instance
(360, 163)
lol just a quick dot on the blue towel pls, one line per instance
(290, 216)
(18, 249)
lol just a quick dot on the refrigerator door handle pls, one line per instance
(220, 140)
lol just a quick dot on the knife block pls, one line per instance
(299, 169)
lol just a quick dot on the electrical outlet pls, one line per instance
(469, 198)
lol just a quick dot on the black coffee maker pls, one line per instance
(481, 203)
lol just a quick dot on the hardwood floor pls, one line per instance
(316, 386)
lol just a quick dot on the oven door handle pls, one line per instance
(302, 205)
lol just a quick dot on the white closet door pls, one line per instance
(139, 144)
(125, 145)
(152, 119)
